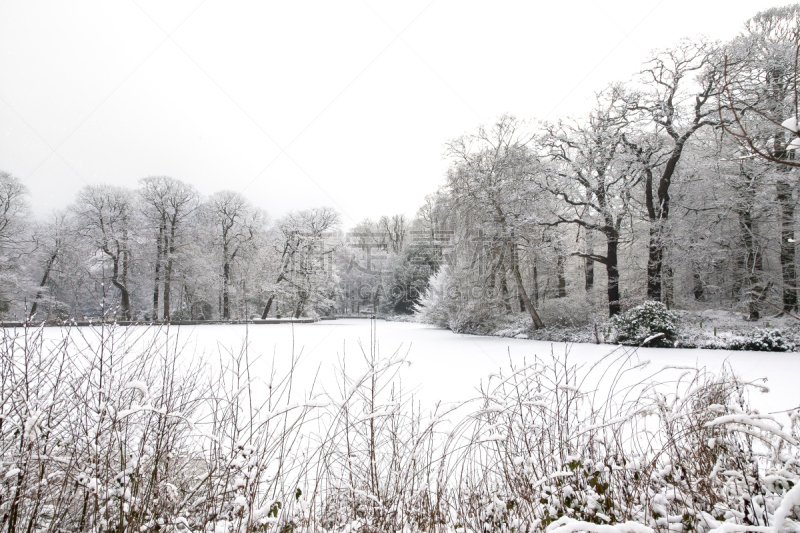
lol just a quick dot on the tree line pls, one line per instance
(678, 186)
(161, 252)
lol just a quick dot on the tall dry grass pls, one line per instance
(119, 429)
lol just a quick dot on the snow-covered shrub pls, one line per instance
(762, 340)
(515, 325)
(520, 326)
(114, 429)
(648, 324)
(674, 453)
(566, 312)
(476, 318)
(435, 306)
(445, 305)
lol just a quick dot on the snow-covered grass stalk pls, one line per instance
(120, 431)
(560, 448)
(378, 468)
(125, 432)
(93, 435)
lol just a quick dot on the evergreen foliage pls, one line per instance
(649, 324)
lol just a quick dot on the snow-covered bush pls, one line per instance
(435, 307)
(114, 429)
(648, 324)
(517, 325)
(737, 338)
(674, 453)
(762, 340)
(566, 312)
(444, 304)
(475, 318)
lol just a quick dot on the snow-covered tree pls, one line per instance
(303, 244)
(594, 180)
(14, 220)
(167, 204)
(761, 97)
(677, 99)
(235, 225)
(490, 182)
(105, 217)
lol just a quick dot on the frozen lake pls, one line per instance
(448, 367)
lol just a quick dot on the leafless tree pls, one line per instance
(167, 203)
(14, 218)
(301, 247)
(235, 224)
(678, 106)
(51, 239)
(14, 209)
(105, 218)
(489, 180)
(761, 95)
(594, 179)
(396, 230)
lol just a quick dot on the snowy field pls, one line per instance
(447, 367)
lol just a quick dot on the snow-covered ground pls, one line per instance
(449, 367)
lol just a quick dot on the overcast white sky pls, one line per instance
(299, 104)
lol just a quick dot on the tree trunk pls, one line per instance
(612, 271)
(157, 274)
(48, 267)
(118, 257)
(120, 262)
(167, 287)
(125, 299)
(504, 290)
(655, 258)
(698, 282)
(226, 302)
(788, 272)
(125, 304)
(751, 264)
(658, 216)
(515, 264)
(302, 302)
(266, 307)
(537, 322)
(698, 289)
(668, 286)
(170, 249)
(499, 270)
(588, 263)
(561, 291)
